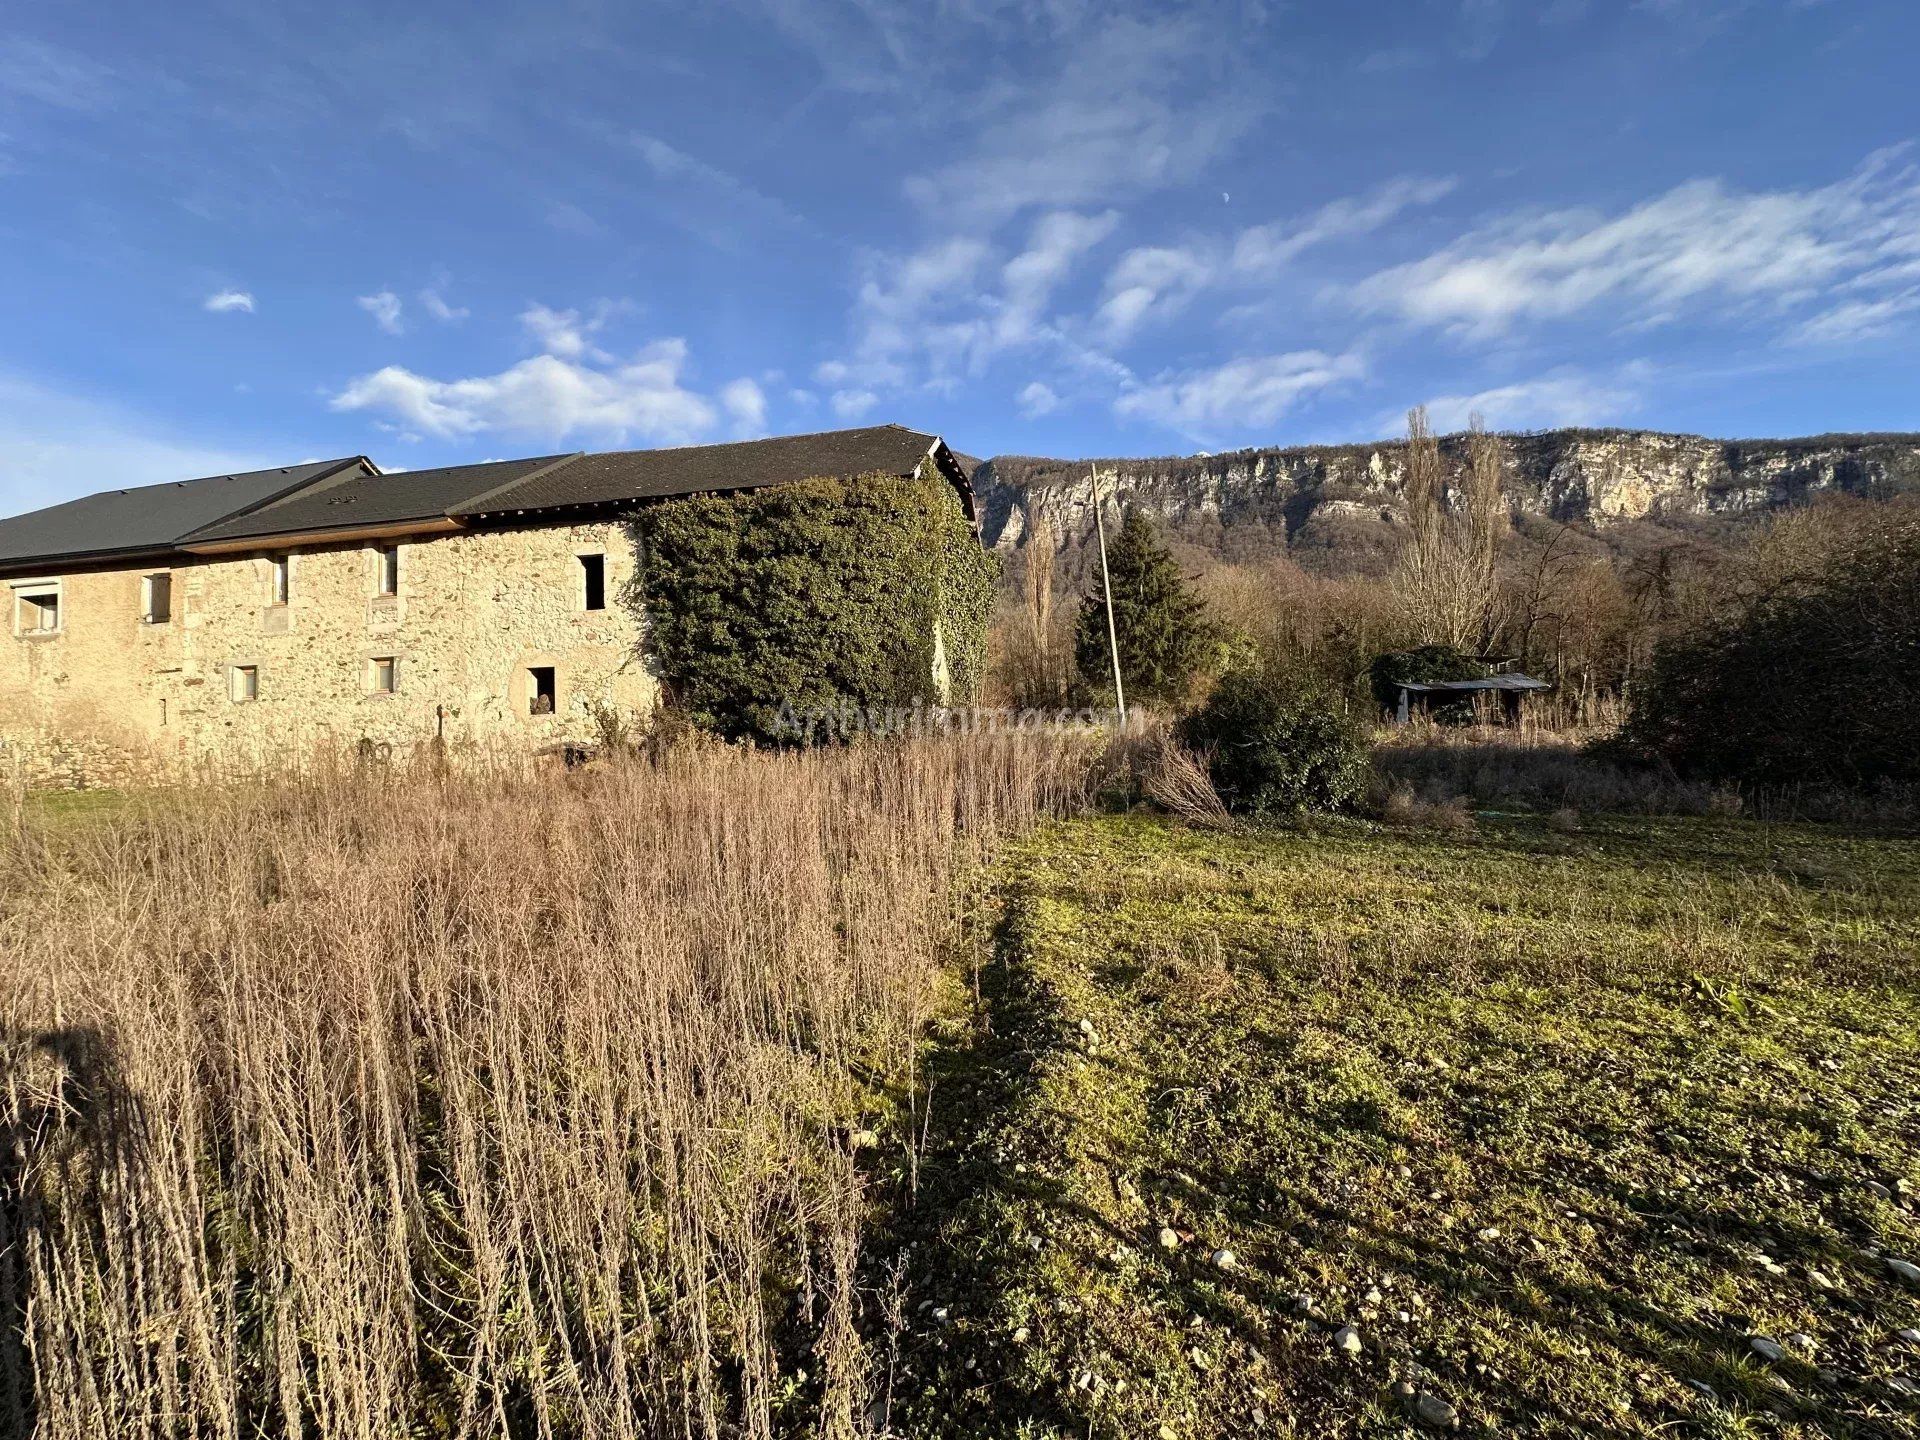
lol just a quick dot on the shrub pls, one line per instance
(1817, 680)
(828, 596)
(1277, 744)
(1160, 622)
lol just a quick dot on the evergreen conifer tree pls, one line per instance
(1161, 623)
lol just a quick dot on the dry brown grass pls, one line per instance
(526, 1105)
(1176, 779)
(1531, 769)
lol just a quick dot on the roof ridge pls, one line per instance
(335, 474)
(472, 502)
(766, 439)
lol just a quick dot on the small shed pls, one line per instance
(1512, 688)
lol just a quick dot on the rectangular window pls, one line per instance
(156, 602)
(36, 612)
(387, 558)
(244, 683)
(593, 577)
(385, 675)
(282, 574)
(540, 690)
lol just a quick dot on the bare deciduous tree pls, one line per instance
(1445, 570)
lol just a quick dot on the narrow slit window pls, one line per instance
(388, 559)
(541, 692)
(157, 607)
(593, 580)
(386, 675)
(282, 578)
(245, 683)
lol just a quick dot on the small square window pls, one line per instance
(282, 577)
(36, 612)
(384, 675)
(387, 572)
(593, 578)
(244, 683)
(156, 603)
(541, 691)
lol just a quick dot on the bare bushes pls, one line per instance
(483, 1107)
(1532, 770)
(1177, 780)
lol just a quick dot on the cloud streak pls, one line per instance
(1239, 395)
(384, 307)
(1701, 245)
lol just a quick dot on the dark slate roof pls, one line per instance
(352, 501)
(689, 470)
(150, 517)
(347, 495)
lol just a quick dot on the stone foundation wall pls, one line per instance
(112, 699)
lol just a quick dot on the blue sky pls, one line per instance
(252, 234)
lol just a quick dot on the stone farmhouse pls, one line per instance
(329, 605)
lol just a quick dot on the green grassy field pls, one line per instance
(1557, 1123)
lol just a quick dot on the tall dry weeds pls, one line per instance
(522, 1106)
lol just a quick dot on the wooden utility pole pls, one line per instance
(1106, 590)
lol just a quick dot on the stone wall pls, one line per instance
(111, 699)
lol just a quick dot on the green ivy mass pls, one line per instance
(814, 597)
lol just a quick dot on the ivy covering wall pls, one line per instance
(805, 598)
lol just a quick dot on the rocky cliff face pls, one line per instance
(1333, 497)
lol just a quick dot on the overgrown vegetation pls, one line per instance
(478, 1107)
(1428, 663)
(1814, 679)
(816, 598)
(1275, 744)
(1327, 574)
(1570, 1129)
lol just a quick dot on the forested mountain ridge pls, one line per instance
(1338, 504)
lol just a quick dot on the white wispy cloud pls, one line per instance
(1562, 397)
(55, 445)
(1700, 245)
(574, 387)
(384, 307)
(706, 200)
(1854, 320)
(1134, 105)
(1264, 248)
(852, 404)
(435, 304)
(547, 396)
(567, 333)
(1154, 282)
(1056, 244)
(52, 75)
(746, 405)
(1036, 399)
(1242, 394)
(227, 302)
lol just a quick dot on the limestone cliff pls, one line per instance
(1349, 496)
